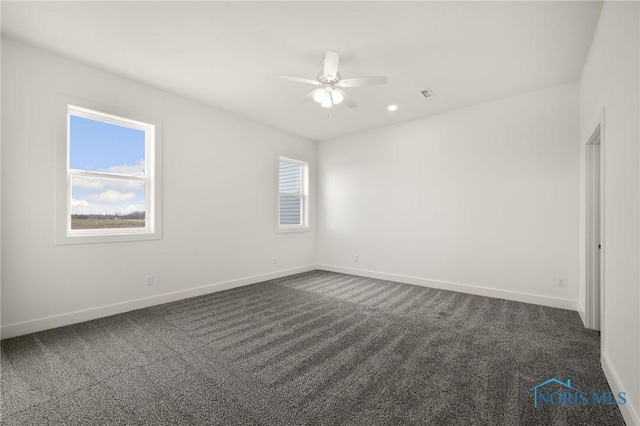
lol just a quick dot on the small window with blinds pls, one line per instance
(292, 194)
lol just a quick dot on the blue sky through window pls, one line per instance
(103, 147)
(106, 196)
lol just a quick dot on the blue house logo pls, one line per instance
(568, 395)
(536, 390)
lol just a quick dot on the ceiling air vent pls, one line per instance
(427, 93)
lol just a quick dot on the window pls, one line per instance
(292, 194)
(110, 184)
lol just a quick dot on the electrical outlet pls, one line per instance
(561, 282)
(149, 280)
(275, 260)
(356, 258)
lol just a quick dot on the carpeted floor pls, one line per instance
(315, 348)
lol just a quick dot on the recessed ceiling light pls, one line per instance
(392, 107)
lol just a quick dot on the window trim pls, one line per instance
(153, 129)
(304, 227)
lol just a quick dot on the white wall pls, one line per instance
(485, 197)
(0, 188)
(610, 80)
(218, 200)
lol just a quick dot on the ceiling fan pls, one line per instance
(330, 93)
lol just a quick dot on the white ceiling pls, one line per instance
(225, 53)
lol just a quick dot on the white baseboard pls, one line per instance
(462, 288)
(629, 412)
(19, 329)
(583, 315)
(27, 327)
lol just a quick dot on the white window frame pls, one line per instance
(304, 226)
(151, 128)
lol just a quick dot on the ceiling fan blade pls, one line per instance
(361, 81)
(308, 96)
(298, 79)
(331, 60)
(348, 100)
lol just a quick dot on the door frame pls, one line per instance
(595, 247)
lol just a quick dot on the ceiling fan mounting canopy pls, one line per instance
(329, 78)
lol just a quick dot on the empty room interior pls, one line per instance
(341, 213)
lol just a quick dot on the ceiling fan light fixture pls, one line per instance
(331, 92)
(319, 96)
(336, 97)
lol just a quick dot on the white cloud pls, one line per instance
(79, 203)
(133, 208)
(112, 195)
(106, 208)
(136, 169)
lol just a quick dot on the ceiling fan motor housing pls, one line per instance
(324, 80)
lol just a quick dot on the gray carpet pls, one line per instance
(315, 348)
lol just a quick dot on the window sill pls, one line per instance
(292, 230)
(105, 238)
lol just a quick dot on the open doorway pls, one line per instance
(594, 231)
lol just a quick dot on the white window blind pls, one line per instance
(292, 198)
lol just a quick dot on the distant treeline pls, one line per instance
(115, 216)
